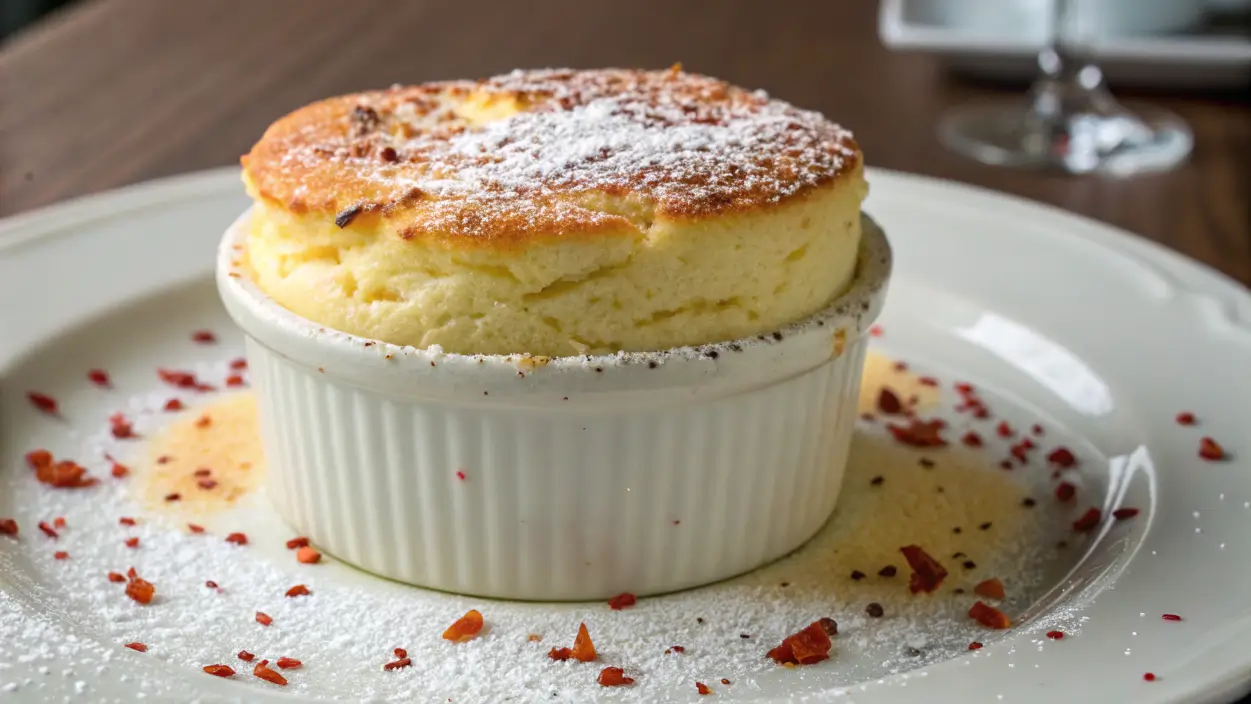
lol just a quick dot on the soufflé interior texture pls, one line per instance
(555, 212)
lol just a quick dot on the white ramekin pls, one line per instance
(578, 478)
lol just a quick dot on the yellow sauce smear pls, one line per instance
(227, 444)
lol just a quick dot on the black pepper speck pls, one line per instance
(857, 575)
(887, 571)
(1028, 502)
(877, 481)
(777, 336)
(874, 610)
(985, 526)
(969, 564)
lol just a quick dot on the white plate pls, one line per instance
(1192, 60)
(1103, 336)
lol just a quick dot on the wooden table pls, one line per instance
(118, 91)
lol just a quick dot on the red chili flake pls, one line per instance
(8, 526)
(117, 577)
(1149, 676)
(919, 433)
(139, 589)
(39, 458)
(1122, 514)
(119, 470)
(702, 688)
(298, 590)
(202, 472)
(901, 366)
(400, 653)
(1065, 491)
(1055, 635)
(237, 538)
(1062, 457)
(876, 331)
(1211, 450)
(60, 555)
(58, 522)
(203, 421)
(927, 573)
(246, 656)
(402, 662)
(163, 459)
(675, 649)
(120, 427)
(207, 484)
(239, 364)
(460, 474)
(807, 646)
(622, 601)
(613, 677)
(137, 646)
(297, 542)
(234, 380)
(583, 648)
(47, 530)
(1037, 429)
(220, 670)
(195, 528)
(307, 555)
(173, 497)
(990, 588)
(131, 573)
(724, 681)
(288, 663)
(43, 402)
(465, 627)
(210, 584)
(1171, 617)
(263, 618)
(99, 377)
(989, 616)
(1004, 430)
(972, 439)
(927, 381)
(263, 671)
(888, 402)
(1088, 521)
(173, 405)
(979, 411)
(132, 542)
(204, 337)
(126, 521)
(65, 474)
(975, 646)
(180, 379)
(1186, 418)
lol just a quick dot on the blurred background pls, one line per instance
(1015, 95)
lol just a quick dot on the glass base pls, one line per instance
(1111, 139)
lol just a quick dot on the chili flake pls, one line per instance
(58, 522)
(195, 528)
(207, 484)
(210, 584)
(675, 649)
(126, 521)
(288, 663)
(1088, 521)
(397, 664)
(975, 646)
(43, 402)
(139, 589)
(1171, 617)
(972, 439)
(583, 648)
(234, 380)
(725, 681)
(204, 337)
(1150, 677)
(927, 573)
(989, 616)
(263, 618)
(100, 378)
(1065, 491)
(990, 588)
(307, 555)
(888, 402)
(927, 381)
(613, 677)
(1186, 418)
(237, 538)
(1062, 457)
(263, 671)
(173, 405)
(622, 601)
(219, 670)
(137, 646)
(132, 542)
(117, 577)
(203, 421)
(807, 646)
(300, 590)
(297, 542)
(120, 427)
(60, 555)
(246, 656)
(238, 364)
(919, 433)
(1004, 430)
(119, 470)
(175, 496)
(465, 628)
(1122, 514)
(8, 526)
(47, 530)
(1211, 450)
(65, 474)
(702, 688)
(1055, 635)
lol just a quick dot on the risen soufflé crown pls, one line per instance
(555, 212)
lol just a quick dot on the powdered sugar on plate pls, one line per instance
(69, 618)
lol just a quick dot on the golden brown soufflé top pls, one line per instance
(512, 157)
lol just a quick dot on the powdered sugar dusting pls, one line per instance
(347, 628)
(520, 152)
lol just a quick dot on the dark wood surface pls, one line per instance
(118, 91)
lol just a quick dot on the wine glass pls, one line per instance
(1070, 121)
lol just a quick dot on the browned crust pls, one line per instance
(684, 145)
